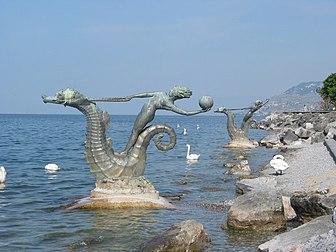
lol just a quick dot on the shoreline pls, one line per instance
(299, 203)
(311, 168)
(311, 179)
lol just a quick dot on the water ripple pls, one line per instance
(32, 201)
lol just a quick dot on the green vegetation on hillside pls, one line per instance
(328, 92)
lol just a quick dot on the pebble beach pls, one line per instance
(311, 168)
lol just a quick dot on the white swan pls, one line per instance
(52, 167)
(3, 174)
(198, 127)
(185, 131)
(279, 164)
(191, 156)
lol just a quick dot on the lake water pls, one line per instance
(32, 213)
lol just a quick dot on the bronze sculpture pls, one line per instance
(239, 136)
(156, 101)
(120, 175)
(104, 162)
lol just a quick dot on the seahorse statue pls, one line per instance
(239, 136)
(104, 162)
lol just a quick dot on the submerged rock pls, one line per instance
(188, 235)
(240, 168)
(222, 205)
(86, 243)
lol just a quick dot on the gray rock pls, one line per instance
(230, 164)
(240, 168)
(309, 126)
(303, 133)
(289, 137)
(319, 126)
(265, 184)
(330, 131)
(312, 126)
(321, 243)
(332, 124)
(272, 139)
(257, 211)
(295, 239)
(311, 205)
(188, 235)
(288, 209)
(317, 137)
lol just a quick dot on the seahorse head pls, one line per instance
(67, 97)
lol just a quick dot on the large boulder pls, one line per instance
(289, 136)
(311, 205)
(318, 137)
(265, 184)
(297, 238)
(270, 139)
(188, 235)
(330, 131)
(303, 133)
(322, 242)
(257, 211)
(319, 126)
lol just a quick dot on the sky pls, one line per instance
(234, 51)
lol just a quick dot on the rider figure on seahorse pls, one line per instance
(104, 162)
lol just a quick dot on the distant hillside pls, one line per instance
(304, 88)
(295, 98)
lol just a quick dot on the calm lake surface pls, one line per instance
(32, 213)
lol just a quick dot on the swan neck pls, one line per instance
(188, 150)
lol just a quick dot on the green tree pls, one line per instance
(328, 91)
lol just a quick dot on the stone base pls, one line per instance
(242, 143)
(123, 193)
(122, 201)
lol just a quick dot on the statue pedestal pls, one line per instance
(241, 141)
(123, 193)
(241, 145)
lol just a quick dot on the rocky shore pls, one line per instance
(310, 184)
(296, 127)
(305, 193)
(299, 205)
